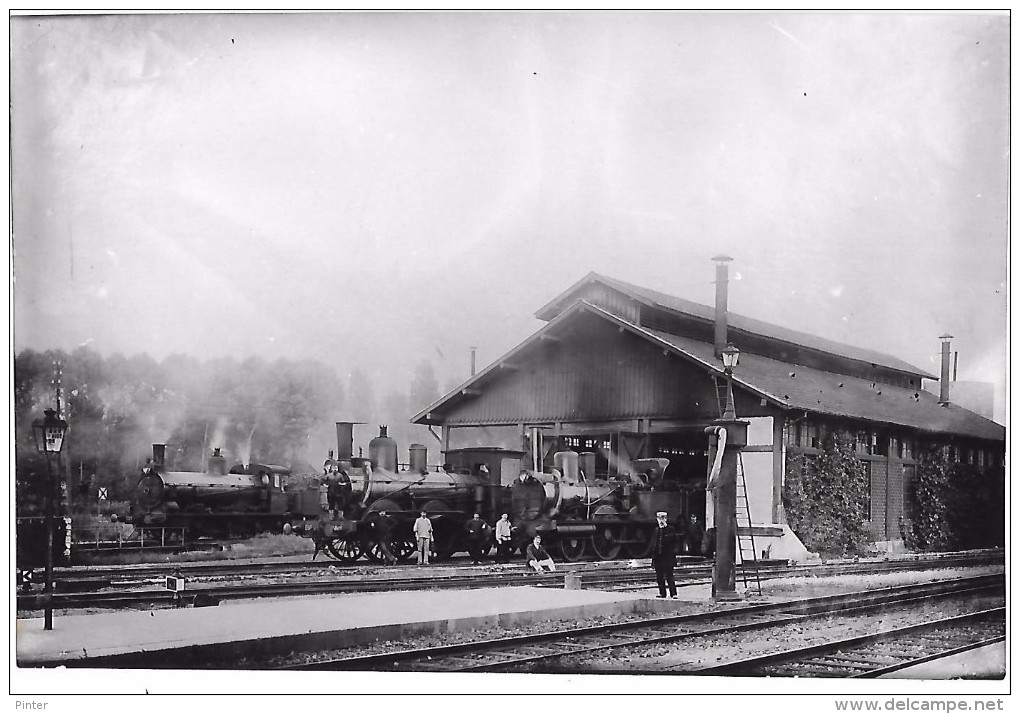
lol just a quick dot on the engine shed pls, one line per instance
(620, 373)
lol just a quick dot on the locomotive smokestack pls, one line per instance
(344, 440)
(158, 454)
(944, 376)
(217, 463)
(721, 302)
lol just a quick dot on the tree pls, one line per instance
(424, 386)
(361, 399)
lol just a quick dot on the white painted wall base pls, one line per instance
(784, 547)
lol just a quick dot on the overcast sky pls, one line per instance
(372, 189)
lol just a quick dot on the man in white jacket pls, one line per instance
(423, 535)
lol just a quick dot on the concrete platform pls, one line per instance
(987, 662)
(193, 637)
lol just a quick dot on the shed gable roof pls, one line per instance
(738, 323)
(791, 387)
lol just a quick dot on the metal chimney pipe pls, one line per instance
(944, 377)
(473, 350)
(721, 299)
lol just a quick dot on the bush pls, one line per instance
(825, 497)
(956, 506)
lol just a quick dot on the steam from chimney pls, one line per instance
(944, 377)
(722, 279)
(244, 448)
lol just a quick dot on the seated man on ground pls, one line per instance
(537, 557)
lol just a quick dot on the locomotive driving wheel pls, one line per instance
(608, 532)
(641, 538)
(573, 546)
(346, 549)
(403, 548)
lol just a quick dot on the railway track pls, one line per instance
(513, 653)
(270, 567)
(877, 654)
(210, 584)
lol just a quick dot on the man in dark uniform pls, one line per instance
(337, 491)
(383, 533)
(695, 535)
(477, 537)
(664, 555)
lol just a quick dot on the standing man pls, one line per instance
(537, 557)
(477, 538)
(664, 555)
(503, 539)
(383, 534)
(695, 535)
(423, 535)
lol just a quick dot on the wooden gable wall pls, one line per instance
(594, 372)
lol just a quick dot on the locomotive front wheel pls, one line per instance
(346, 549)
(573, 549)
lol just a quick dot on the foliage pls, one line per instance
(825, 497)
(424, 386)
(957, 506)
(929, 529)
(117, 407)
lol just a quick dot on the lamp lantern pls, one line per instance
(49, 433)
(730, 357)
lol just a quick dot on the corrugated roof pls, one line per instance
(735, 322)
(814, 390)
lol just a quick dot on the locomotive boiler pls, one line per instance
(579, 514)
(243, 500)
(360, 490)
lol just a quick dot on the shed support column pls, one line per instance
(778, 467)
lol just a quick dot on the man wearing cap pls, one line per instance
(664, 554)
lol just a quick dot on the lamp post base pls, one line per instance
(726, 596)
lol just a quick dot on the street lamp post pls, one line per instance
(728, 435)
(49, 435)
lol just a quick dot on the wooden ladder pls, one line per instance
(747, 552)
(720, 394)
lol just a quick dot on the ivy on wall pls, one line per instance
(825, 497)
(955, 506)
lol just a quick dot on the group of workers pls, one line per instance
(665, 548)
(478, 537)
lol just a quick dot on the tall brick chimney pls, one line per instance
(722, 279)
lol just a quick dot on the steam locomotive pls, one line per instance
(342, 511)
(240, 501)
(575, 513)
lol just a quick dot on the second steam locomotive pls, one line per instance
(576, 513)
